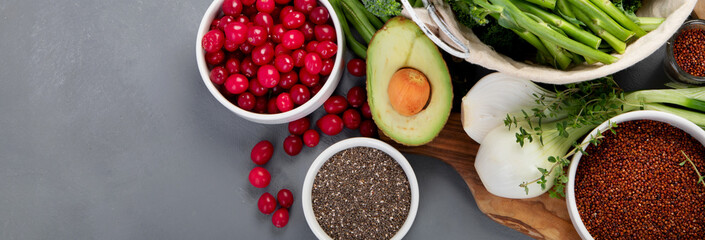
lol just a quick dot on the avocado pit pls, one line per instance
(408, 91)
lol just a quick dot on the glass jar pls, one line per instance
(674, 71)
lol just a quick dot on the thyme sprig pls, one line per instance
(701, 178)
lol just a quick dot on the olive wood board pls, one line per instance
(540, 218)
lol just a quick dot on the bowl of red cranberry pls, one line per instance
(270, 61)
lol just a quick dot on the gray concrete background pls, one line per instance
(107, 132)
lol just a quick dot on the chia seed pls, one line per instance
(631, 185)
(361, 193)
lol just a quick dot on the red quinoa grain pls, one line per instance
(631, 185)
(689, 51)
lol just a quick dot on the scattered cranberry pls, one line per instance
(266, 203)
(218, 75)
(284, 102)
(280, 218)
(213, 41)
(259, 177)
(352, 119)
(357, 67)
(313, 63)
(357, 96)
(368, 128)
(215, 58)
(232, 7)
(311, 138)
(299, 126)
(330, 124)
(365, 110)
(246, 101)
(285, 198)
(324, 32)
(319, 15)
(236, 84)
(300, 94)
(293, 145)
(335, 104)
(262, 152)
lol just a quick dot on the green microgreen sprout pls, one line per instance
(701, 179)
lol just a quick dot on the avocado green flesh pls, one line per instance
(401, 44)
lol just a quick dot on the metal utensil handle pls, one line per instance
(463, 52)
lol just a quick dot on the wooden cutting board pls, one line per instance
(540, 218)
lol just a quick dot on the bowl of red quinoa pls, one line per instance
(685, 53)
(641, 180)
(360, 188)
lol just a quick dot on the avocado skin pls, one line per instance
(400, 43)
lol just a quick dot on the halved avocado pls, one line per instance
(401, 44)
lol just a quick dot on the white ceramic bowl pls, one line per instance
(296, 113)
(676, 121)
(350, 143)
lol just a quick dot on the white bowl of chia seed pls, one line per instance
(360, 188)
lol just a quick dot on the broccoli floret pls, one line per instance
(629, 6)
(468, 13)
(382, 8)
(503, 41)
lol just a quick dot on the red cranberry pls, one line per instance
(365, 110)
(230, 46)
(311, 138)
(280, 49)
(324, 32)
(248, 68)
(280, 218)
(313, 63)
(277, 33)
(266, 6)
(236, 84)
(218, 75)
(250, 10)
(315, 89)
(319, 15)
(293, 39)
(264, 20)
(335, 104)
(285, 198)
(293, 145)
(311, 46)
(224, 21)
(330, 124)
(357, 67)
(368, 128)
(256, 35)
(246, 48)
(284, 102)
(285, 10)
(259, 177)
(232, 7)
(284, 63)
(352, 119)
(326, 49)
(276, 90)
(256, 88)
(262, 55)
(357, 96)
(300, 94)
(232, 65)
(213, 40)
(282, 2)
(327, 67)
(288, 80)
(272, 106)
(308, 30)
(299, 126)
(293, 20)
(248, 2)
(246, 101)
(305, 6)
(214, 24)
(266, 203)
(308, 79)
(298, 56)
(242, 19)
(268, 76)
(260, 104)
(236, 32)
(215, 58)
(262, 152)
